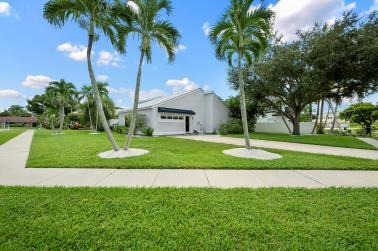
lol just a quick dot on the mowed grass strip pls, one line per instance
(196, 219)
(6, 135)
(325, 140)
(78, 149)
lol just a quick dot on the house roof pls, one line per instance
(18, 120)
(161, 100)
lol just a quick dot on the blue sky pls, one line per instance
(34, 53)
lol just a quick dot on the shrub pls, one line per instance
(141, 122)
(233, 126)
(148, 131)
(121, 129)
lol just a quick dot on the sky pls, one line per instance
(33, 53)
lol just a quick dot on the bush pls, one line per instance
(233, 126)
(148, 131)
(141, 122)
(121, 129)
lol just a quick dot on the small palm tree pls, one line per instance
(91, 15)
(63, 93)
(87, 95)
(142, 18)
(242, 32)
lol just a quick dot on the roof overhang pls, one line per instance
(173, 110)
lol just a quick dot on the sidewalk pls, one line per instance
(14, 153)
(329, 150)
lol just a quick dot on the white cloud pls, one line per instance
(292, 15)
(120, 90)
(147, 95)
(36, 81)
(9, 93)
(206, 28)
(179, 85)
(75, 52)
(181, 47)
(374, 6)
(102, 78)
(109, 58)
(5, 9)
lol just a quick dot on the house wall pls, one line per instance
(219, 113)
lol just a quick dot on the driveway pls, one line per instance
(329, 150)
(14, 154)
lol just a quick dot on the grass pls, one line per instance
(325, 140)
(6, 135)
(195, 219)
(79, 149)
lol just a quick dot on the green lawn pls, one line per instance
(195, 219)
(6, 135)
(325, 140)
(79, 149)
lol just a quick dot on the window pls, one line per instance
(169, 117)
(163, 117)
(181, 118)
(176, 118)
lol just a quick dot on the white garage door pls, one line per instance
(171, 124)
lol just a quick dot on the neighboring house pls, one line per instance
(22, 121)
(183, 113)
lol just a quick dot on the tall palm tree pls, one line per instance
(242, 32)
(63, 93)
(142, 18)
(91, 15)
(87, 95)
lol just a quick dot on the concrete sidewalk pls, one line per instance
(13, 157)
(307, 148)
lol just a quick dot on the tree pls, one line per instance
(63, 93)
(281, 81)
(91, 15)
(253, 108)
(37, 104)
(364, 114)
(242, 32)
(143, 19)
(15, 110)
(86, 96)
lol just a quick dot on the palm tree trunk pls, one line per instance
(334, 111)
(320, 130)
(243, 108)
(136, 102)
(95, 89)
(317, 118)
(61, 118)
(96, 120)
(90, 115)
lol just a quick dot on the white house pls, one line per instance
(273, 122)
(183, 113)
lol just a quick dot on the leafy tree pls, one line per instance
(61, 93)
(242, 32)
(143, 19)
(281, 80)
(364, 114)
(86, 96)
(253, 107)
(37, 104)
(15, 110)
(92, 16)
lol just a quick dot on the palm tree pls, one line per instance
(86, 93)
(91, 15)
(142, 18)
(63, 93)
(243, 31)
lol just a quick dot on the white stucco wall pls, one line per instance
(219, 113)
(274, 124)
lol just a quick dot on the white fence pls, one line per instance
(280, 127)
